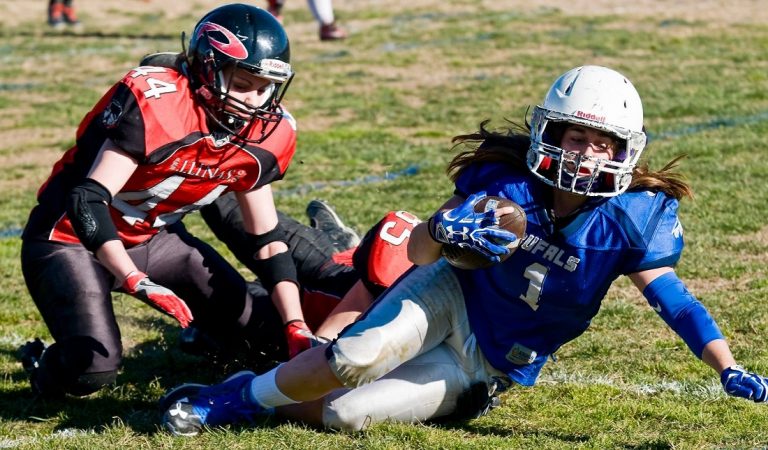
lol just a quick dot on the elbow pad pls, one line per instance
(88, 210)
(669, 297)
(277, 268)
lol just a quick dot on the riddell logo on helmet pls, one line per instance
(590, 116)
(275, 65)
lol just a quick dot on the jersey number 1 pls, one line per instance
(536, 273)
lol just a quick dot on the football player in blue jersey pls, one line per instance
(442, 339)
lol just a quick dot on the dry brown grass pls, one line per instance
(725, 12)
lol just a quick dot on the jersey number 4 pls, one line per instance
(156, 87)
(153, 196)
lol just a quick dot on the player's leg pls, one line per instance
(70, 16)
(322, 10)
(72, 291)
(314, 253)
(424, 388)
(417, 314)
(275, 7)
(423, 311)
(214, 290)
(56, 13)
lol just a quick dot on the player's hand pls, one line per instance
(466, 228)
(740, 383)
(161, 298)
(299, 338)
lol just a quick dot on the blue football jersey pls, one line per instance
(547, 292)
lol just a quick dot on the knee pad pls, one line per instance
(391, 332)
(68, 366)
(358, 361)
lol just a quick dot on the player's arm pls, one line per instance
(349, 309)
(88, 211)
(457, 223)
(669, 297)
(422, 248)
(110, 171)
(274, 265)
(380, 260)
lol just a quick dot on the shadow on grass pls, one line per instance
(482, 429)
(496, 430)
(150, 369)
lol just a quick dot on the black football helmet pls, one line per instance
(243, 37)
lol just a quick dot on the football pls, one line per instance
(465, 258)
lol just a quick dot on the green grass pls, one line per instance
(388, 99)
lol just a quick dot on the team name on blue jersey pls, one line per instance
(550, 252)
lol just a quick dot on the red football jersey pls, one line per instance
(153, 115)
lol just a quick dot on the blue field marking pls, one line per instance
(19, 86)
(414, 169)
(10, 232)
(411, 170)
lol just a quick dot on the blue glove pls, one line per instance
(465, 228)
(740, 383)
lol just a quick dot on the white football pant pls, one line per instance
(409, 357)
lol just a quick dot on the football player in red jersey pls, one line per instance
(159, 144)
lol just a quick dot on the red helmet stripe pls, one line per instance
(233, 47)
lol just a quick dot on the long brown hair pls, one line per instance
(510, 146)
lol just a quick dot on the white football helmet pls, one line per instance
(599, 98)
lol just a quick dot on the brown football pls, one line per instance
(468, 259)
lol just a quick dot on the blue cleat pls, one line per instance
(190, 407)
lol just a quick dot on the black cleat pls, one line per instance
(30, 353)
(325, 219)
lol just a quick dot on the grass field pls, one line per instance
(376, 114)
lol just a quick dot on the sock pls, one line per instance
(264, 391)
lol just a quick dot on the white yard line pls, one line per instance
(66, 433)
(710, 390)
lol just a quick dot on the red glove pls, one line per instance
(161, 298)
(299, 337)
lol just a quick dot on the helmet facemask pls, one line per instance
(233, 115)
(576, 173)
(597, 98)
